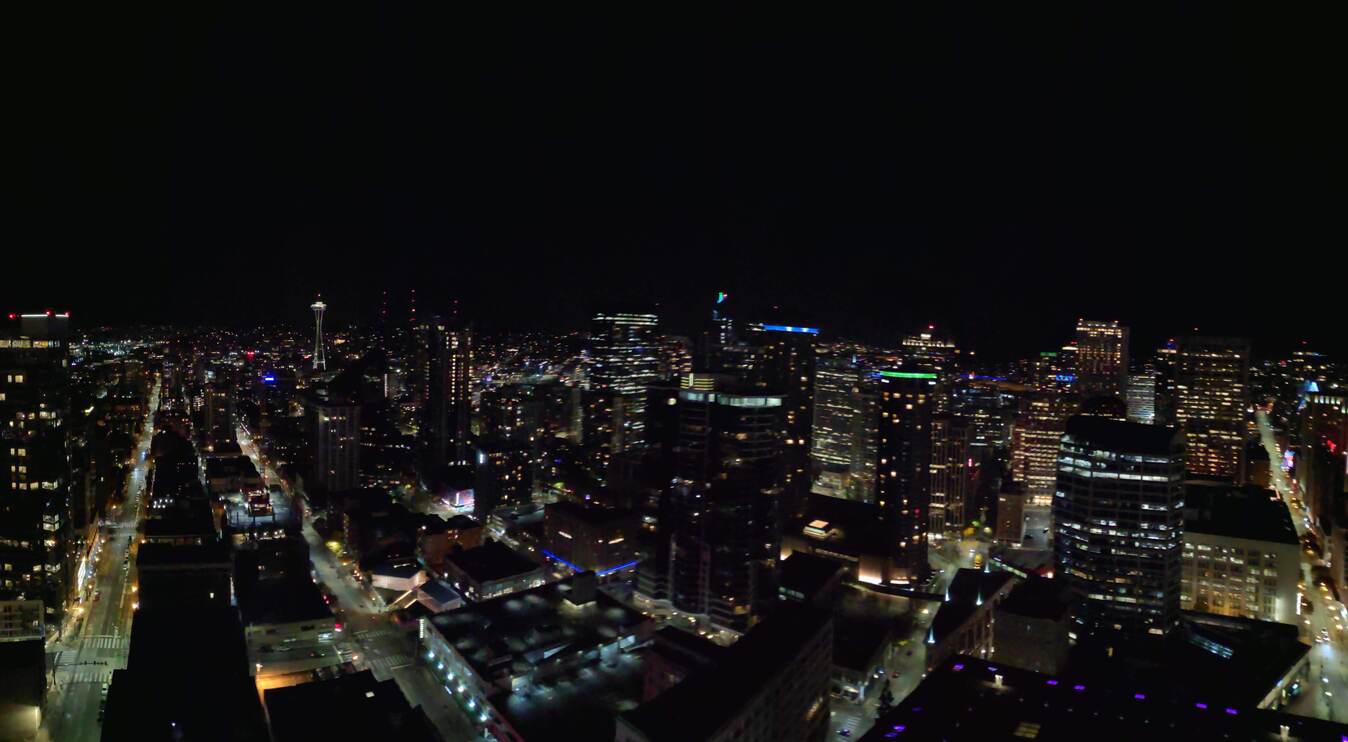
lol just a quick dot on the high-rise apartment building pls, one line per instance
(951, 469)
(720, 517)
(446, 360)
(1101, 358)
(1119, 526)
(35, 520)
(903, 467)
(782, 360)
(334, 442)
(1211, 382)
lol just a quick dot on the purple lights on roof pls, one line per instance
(1200, 705)
(1078, 687)
(957, 667)
(1051, 682)
(1140, 696)
(1231, 711)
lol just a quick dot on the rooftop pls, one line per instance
(1238, 512)
(492, 560)
(527, 627)
(286, 600)
(589, 514)
(1037, 597)
(851, 526)
(168, 556)
(970, 699)
(1116, 435)
(709, 699)
(807, 574)
(352, 706)
(968, 590)
(856, 643)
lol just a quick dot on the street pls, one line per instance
(95, 640)
(369, 637)
(1328, 692)
(909, 656)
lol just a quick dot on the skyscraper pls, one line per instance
(1118, 534)
(623, 358)
(446, 359)
(1101, 358)
(782, 360)
(334, 442)
(843, 433)
(1211, 383)
(720, 519)
(1141, 397)
(1044, 412)
(35, 455)
(902, 471)
(951, 464)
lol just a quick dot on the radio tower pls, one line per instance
(320, 363)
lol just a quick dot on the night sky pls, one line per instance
(998, 170)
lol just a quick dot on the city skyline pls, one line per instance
(472, 373)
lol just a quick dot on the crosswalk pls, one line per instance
(88, 675)
(107, 642)
(386, 665)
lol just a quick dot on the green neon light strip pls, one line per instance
(906, 375)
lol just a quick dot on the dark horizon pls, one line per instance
(997, 173)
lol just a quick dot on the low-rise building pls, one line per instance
(491, 570)
(355, 706)
(436, 541)
(542, 664)
(581, 538)
(771, 686)
(229, 474)
(673, 655)
(964, 622)
(972, 699)
(1031, 625)
(860, 650)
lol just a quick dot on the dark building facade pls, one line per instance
(334, 442)
(35, 518)
(446, 359)
(718, 536)
(782, 360)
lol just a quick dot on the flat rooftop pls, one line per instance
(707, 700)
(963, 700)
(352, 706)
(593, 515)
(529, 626)
(1238, 512)
(1125, 437)
(492, 560)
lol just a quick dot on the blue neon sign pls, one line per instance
(789, 328)
(598, 573)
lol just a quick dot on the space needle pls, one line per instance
(320, 363)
